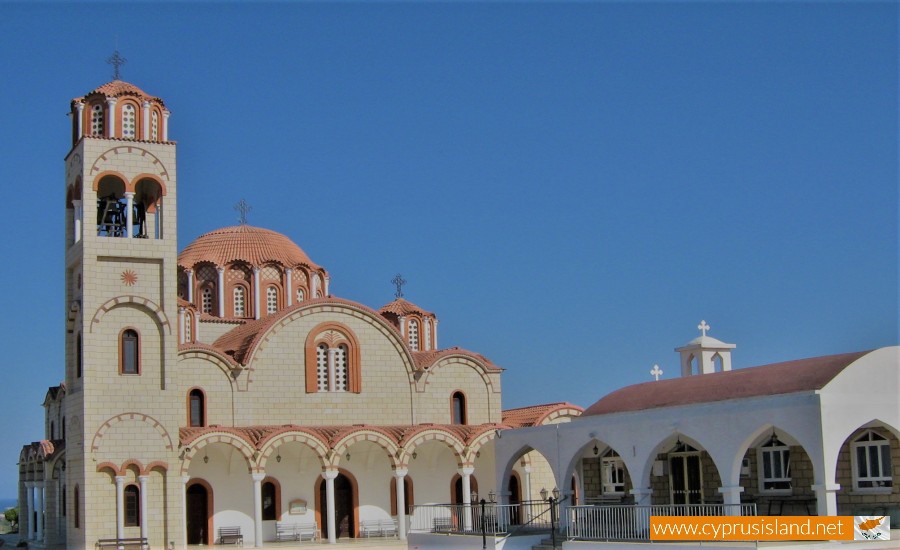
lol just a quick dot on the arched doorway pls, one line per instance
(685, 475)
(515, 498)
(199, 514)
(457, 492)
(344, 522)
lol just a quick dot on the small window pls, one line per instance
(132, 506)
(427, 335)
(97, 120)
(239, 301)
(414, 335)
(206, 300)
(271, 300)
(322, 367)
(458, 404)
(613, 472)
(129, 118)
(269, 501)
(775, 466)
(188, 328)
(197, 408)
(78, 357)
(62, 501)
(130, 352)
(340, 368)
(154, 126)
(300, 295)
(871, 454)
(76, 508)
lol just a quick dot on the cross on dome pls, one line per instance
(243, 207)
(398, 281)
(656, 372)
(116, 61)
(703, 327)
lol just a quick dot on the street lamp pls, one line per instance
(553, 501)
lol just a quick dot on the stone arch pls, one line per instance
(140, 417)
(223, 362)
(602, 448)
(479, 441)
(459, 359)
(270, 445)
(109, 467)
(364, 434)
(147, 161)
(446, 437)
(150, 306)
(754, 437)
(241, 445)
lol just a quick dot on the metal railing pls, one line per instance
(468, 519)
(629, 522)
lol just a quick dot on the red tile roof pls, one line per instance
(244, 243)
(401, 306)
(534, 415)
(118, 88)
(779, 378)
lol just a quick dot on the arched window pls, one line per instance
(132, 506)
(613, 473)
(775, 466)
(196, 408)
(300, 295)
(154, 126)
(97, 120)
(129, 352)
(270, 500)
(413, 335)
(271, 300)
(78, 357)
(427, 335)
(332, 360)
(239, 301)
(76, 508)
(870, 456)
(129, 125)
(458, 407)
(206, 300)
(188, 328)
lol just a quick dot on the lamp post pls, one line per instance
(553, 501)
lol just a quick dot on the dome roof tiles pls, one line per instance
(401, 306)
(118, 88)
(244, 243)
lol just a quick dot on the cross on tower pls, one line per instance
(703, 327)
(242, 207)
(656, 372)
(398, 281)
(116, 61)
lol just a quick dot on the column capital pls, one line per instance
(189, 271)
(184, 479)
(731, 490)
(129, 194)
(120, 479)
(289, 270)
(527, 469)
(143, 479)
(256, 270)
(29, 485)
(220, 269)
(145, 104)
(401, 472)
(257, 478)
(641, 492)
(79, 105)
(467, 470)
(181, 310)
(827, 487)
(112, 100)
(330, 474)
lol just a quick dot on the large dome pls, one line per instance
(244, 243)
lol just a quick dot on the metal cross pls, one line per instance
(242, 207)
(703, 327)
(398, 281)
(116, 61)
(656, 372)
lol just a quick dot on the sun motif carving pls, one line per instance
(129, 277)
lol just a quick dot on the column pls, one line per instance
(184, 481)
(826, 498)
(526, 490)
(641, 502)
(400, 476)
(165, 126)
(329, 476)
(221, 287)
(731, 498)
(190, 285)
(142, 480)
(145, 119)
(289, 285)
(327, 285)
(39, 508)
(181, 325)
(76, 206)
(466, 473)
(332, 385)
(435, 334)
(120, 507)
(79, 124)
(257, 509)
(402, 321)
(29, 505)
(129, 213)
(111, 117)
(256, 292)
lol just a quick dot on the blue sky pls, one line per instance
(571, 187)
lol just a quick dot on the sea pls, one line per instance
(7, 503)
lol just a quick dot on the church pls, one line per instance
(223, 390)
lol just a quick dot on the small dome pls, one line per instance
(401, 307)
(118, 88)
(244, 243)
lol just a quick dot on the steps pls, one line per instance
(547, 544)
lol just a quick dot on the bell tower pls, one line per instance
(121, 334)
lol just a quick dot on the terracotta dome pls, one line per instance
(253, 245)
(118, 88)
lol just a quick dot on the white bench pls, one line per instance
(296, 531)
(378, 528)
